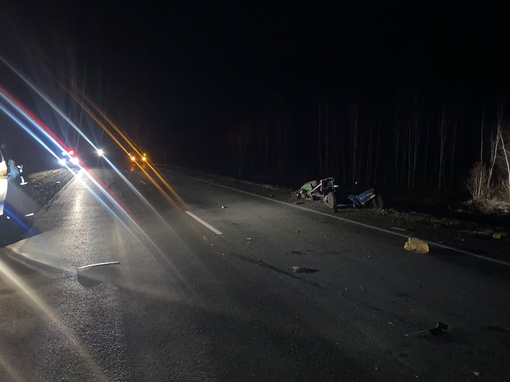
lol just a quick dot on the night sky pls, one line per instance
(183, 78)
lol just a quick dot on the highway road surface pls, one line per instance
(212, 284)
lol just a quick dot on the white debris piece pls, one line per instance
(97, 265)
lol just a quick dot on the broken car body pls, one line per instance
(334, 196)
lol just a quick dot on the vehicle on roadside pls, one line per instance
(69, 158)
(138, 157)
(138, 160)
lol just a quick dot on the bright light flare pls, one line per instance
(62, 161)
(28, 294)
(52, 137)
(100, 152)
(75, 160)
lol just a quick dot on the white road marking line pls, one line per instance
(356, 223)
(204, 223)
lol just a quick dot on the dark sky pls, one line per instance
(175, 71)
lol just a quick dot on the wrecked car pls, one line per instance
(335, 196)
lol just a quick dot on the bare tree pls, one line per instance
(264, 135)
(354, 142)
(494, 143)
(397, 142)
(481, 134)
(326, 140)
(477, 182)
(505, 154)
(426, 159)
(319, 125)
(452, 150)
(413, 141)
(281, 141)
(376, 169)
(443, 133)
(241, 139)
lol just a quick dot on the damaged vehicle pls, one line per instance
(335, 196)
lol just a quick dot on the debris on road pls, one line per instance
(97, 265)
(332, 194)
(439, 329)
(223, 207)
(298, 269)
(362, 289)
(399, 229)
(416, 245)
(476, 373)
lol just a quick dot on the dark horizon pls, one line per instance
(281, 92)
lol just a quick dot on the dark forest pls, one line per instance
(407, 99)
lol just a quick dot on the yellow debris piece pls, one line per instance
(416, 245)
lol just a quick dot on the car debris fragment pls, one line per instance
(97, 265)
(439, 329)
(298, 269)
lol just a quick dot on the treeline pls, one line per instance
(411, 139)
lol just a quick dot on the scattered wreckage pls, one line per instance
(335, 196)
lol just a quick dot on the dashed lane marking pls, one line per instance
(204, 223)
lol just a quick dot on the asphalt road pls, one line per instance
(213, 296)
